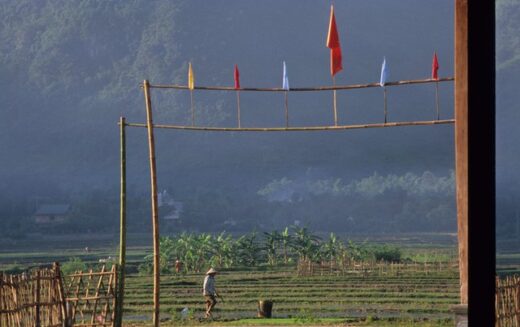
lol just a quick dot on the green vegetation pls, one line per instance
(414, 295)
(198, 252)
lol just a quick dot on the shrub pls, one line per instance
(74, 264)
(387, 253)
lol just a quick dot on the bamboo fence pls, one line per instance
(34, 299)
(92, 297)
(366, 268)
(507, 301)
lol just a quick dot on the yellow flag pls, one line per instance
(191, 78)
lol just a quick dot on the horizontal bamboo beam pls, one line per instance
(92, 273)
(295, 129)
(90, 298)
(302, 89)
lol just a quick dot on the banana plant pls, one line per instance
(286, 241)
(305, 244)
(249, 252)
(272, 243)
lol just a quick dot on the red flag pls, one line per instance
(435, 67)
(333, 45)
(237, 78)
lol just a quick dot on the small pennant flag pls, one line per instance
(237, 78)
(435, 67)
(191, 78)
(333, 45)
(285, 84)
(384, 73)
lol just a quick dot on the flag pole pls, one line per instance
(192, 109)
(335, 110)
(238, 108)
(384, 92)
(437, 99)
(286, 109)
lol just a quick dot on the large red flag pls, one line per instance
(333, 45)
(237, 78)
(435, 67)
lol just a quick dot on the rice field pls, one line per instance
(406, 294)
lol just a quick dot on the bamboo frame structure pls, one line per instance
(146, 86)
(34, 298)
(99, 308)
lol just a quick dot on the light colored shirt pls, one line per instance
(209, 286)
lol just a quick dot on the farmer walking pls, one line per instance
(209, 291)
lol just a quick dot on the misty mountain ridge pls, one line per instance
(69, 70)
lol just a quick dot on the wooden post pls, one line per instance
(122, 225)
(461, 139)
(475, 154)
(155, 207)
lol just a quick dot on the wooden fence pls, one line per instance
(507, 301)
(34, 299)
(344, 267)
(91, 297)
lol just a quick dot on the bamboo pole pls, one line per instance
(302, 89)
(335, 108)
(295, 129)
(192, 109)
(238, 109)
(437, 100)
(384, 93)
(37, 299)
(96, 297)
(155, 213)
(286, 109)
(122, 226)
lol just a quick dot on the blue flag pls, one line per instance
(384, 73)
(285, 84)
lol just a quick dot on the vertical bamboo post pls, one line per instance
(37, 299)
(384, 92)
(122, 226)
(461, 139)
(192, 109)
(155, 213)
(286, 109)
(335, 108)
(238, 109)
(437, 100)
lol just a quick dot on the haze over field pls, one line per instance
(70, 69)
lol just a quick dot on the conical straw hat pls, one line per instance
(211, 271)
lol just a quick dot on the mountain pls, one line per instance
(70, 69)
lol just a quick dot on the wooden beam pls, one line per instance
(155, 207)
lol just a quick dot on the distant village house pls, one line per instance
(52, 213)
(173, 209)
